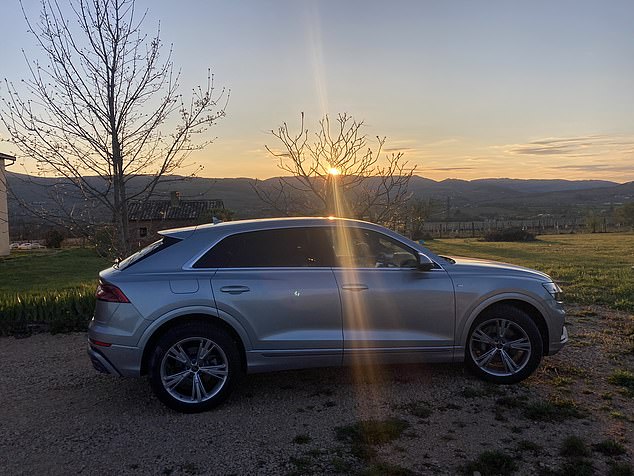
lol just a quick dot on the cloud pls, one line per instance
(580, 146)
(446, 169)
(550, 150)
(399, 149)
(594, 167)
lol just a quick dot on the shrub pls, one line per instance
(64, 311)
(609, 448)
(573, 446)
(363, 435)
(509, 234)
(492, 463)
(625, 379)
(53, 239)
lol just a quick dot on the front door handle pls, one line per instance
(235, 289)
(354, 287)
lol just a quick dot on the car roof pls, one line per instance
(230, 227)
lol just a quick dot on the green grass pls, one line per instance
(591, 268)
(50, 271)
(363, 435)
(552, 411)
(53, 290)
(625, 379)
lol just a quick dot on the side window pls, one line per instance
(288, 247)
(359, 248)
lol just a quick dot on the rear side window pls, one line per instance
(288, 247)
(146, 252)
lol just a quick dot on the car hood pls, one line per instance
(477, 266)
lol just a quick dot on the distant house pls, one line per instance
(4, 211)
(146, 218)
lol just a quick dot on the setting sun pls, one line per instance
(334, 171)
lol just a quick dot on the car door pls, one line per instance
(389, 305)
(279, 284)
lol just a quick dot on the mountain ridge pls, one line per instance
(479, 198)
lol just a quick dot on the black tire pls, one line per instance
(211, 379)
(523, 344)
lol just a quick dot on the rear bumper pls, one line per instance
(116, 359)
(100, 363)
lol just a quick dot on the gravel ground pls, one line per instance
(60, 417)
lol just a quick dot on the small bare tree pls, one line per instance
(335, 171)
(415, 214)
(104, 104)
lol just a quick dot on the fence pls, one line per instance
(541, 226)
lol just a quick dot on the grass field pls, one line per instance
(591, 268)
(48, 290)
(38, 272)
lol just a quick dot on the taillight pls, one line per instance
(110, 293)
(99, 343)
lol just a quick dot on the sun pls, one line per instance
(333, 171)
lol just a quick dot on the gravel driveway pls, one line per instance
(59, 417)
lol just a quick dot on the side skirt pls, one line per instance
(270, 361)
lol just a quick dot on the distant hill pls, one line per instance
(463, 199)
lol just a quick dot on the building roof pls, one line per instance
(158, 210)
(7, 157)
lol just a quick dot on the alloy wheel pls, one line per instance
(194, 370)
(500, 347)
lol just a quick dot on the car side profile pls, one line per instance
(204, 305)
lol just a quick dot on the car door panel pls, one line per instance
(396, 308)
(283, 308)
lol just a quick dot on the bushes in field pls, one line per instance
(54, 239)
(64, 311)
(509, 234)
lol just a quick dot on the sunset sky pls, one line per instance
(467, 89)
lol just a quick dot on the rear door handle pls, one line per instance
(354, 287)
(235, 289)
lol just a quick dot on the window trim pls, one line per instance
(189, 265)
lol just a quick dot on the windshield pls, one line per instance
(145, 252)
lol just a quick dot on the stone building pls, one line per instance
(146, 218)
(4, 212)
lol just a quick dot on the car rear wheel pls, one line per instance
(504, 346)
(194, 367)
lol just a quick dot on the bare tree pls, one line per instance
(415, 214)
(335, 171)
(104, 103)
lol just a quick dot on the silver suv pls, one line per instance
(203, 305)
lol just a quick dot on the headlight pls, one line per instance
(554, 290)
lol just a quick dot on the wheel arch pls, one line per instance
(521, 302)
(534, 313)
(173, 321)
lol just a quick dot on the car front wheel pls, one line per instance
(194, 367)
(504, 346)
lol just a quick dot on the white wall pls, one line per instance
(4, 215)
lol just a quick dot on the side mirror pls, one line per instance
(424, 263)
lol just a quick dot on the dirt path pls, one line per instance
(58, 416)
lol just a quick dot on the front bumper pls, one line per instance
(557, 346)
